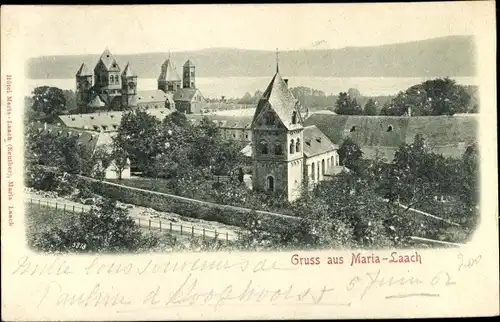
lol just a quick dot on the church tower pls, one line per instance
(107, 77)
(277, 142)
(129, 87)
(169, 81)
(189, 75)
(84, 80)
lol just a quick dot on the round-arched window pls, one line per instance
(292, 147)
(263, 147)
(277, 148)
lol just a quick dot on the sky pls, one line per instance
(60, 30)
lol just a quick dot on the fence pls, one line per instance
(185, 230)
(64, 207)
(151, 224)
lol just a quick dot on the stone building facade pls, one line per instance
(110, 88)
(282, 154)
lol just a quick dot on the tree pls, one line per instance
(370, 108)
(139, 135)
(349, 154)
(48, 100)
(105, 228)
(347, 106)
(119, 159)
(469, 180)
(441, 96)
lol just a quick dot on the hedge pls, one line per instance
(230, 215)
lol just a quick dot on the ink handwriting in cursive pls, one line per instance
(470, 262)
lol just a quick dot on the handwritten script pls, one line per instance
(190, 288)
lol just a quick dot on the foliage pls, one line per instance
(105, 228)
(250, 99)
(346, 105)
(350, 154)
(441, 96)
(139, 135)
(370, 108)
(48, 100)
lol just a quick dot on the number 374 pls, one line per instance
(79, 245)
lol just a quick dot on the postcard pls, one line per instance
(253, 161)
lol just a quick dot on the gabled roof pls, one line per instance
(151, 96)
(279, 98)
(185, 94)
(86, 138)
(228, 122)
(108, 61)
(104, 121)
(168, 72)
(316, 142)
(128, 72)
(83, 71)
(188, 63)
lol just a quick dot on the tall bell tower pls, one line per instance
(84, 84)
(277, 142)
(188, 75)
(129, 87)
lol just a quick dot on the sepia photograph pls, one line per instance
(256, 149)
(340, 134)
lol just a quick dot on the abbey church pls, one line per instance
(109, 87)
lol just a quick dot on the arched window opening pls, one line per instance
(318, 171)
(263, 147)
(313, 176)
(353, 128)
(389, 129)
(297, 145)
(277, 148)
(270, 183)
(292, 146)
(294, 117)
(323, 166)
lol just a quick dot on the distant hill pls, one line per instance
(447, 56)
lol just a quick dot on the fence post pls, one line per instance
(139, 222)
(73, 209)
(203, 233)
(215, 234)
(47, 204)
(160, 225)
(181, 230)
(56, 205)
(39, 203)
(170, 227)
(31, 202)
(64, 210)
(192, 231)
(227, 236)
(149, 224)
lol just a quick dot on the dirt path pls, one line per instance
(149, 218)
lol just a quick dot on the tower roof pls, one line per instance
(108, 61)
(279, 98)
(168, 72)
(189, 63)
(128, 72)
(83, 71)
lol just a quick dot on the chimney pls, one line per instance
(286, 81)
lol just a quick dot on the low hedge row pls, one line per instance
(225, 214)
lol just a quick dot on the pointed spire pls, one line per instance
(277, 61)
(128, 71)
(83, 71)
